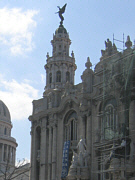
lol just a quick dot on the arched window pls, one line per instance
(50, 78)
(58, 76)
(67, 76)
(109, 122)
(71, 127)
(110, 119)
(70, 130)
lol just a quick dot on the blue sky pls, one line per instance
(26, 29)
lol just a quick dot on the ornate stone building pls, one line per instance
(85, 131)
(7, 143)
(8, 168)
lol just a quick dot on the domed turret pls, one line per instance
(61, 29)
(4, 113)
(7, 143)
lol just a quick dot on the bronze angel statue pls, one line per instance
(60, 12)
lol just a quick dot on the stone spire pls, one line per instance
(87, 76)
(88, 64)
(128, 43)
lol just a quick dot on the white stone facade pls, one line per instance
(7, 143)
(99, 110)
(8, 168)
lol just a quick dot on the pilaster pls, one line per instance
(2, 152)
(54, 152)
(132, 129)
(43, 150)
(33, 153)
(50, 153)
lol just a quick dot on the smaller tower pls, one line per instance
(60, 67)
(7, 143)
(88, 77)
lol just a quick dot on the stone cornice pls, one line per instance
(64, 101)
(6, 123)
(59, 63)
(9, 139)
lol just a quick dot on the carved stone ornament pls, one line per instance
(88, 64)
(128, 43)
(81, 157)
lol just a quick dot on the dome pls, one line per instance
(61, 29)
(4, 112)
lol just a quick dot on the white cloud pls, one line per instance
(16, 29)
(18, 97)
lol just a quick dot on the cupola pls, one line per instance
(7, 143)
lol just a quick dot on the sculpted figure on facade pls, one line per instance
(81, 146)
(81, 157)
(60, 12)
(109, 49)
(74, 159)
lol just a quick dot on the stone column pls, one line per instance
(95, 132)
(2, 154)
(63, 75)
(50, 153)
(54, 152)
(6, 152)
(53, 75)
(43, 150)
(132, 128)
(89, 135)
(82, 127)
(33, 154)
(72, 74)
(13, 155)
(9, 154)
(47, 71)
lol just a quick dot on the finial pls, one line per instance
(47, 55)
(72, 54)
(88, 64)
(128, 43)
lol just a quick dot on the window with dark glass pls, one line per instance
(71, 127)
(50, 78)
(58, 76)
(67, 76)
(109, 124)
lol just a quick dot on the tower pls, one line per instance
(7, 143)
(60, 67)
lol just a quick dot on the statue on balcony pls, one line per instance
(81, 157)
(79, 165)
(74, 159)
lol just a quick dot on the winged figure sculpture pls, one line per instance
(60, 12)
